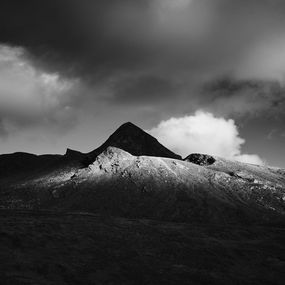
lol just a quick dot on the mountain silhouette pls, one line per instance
(134, 140)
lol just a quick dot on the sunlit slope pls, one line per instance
(118, 183)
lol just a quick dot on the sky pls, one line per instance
(201, 75)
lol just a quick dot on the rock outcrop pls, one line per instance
(200, 159)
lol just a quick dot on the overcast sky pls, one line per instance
(200, 75)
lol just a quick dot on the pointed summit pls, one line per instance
(137, 142)
(128, 126)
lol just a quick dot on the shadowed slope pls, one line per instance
(84, 249)
(134, 140)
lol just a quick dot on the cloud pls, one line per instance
(250, 158)
(120, 45)
(143, 89)
(232, 96)
(203, 133)
(265, 60)
(31, 97)
(122, 57)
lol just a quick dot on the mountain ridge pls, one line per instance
(133, 183)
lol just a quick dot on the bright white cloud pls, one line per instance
(29, 96)
(249, 158)
(203, 133)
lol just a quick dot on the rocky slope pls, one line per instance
(120, 184)
(132, 212)
(115, 182)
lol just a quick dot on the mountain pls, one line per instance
(134, 140)
(133, 175)
(160, 219)
(120, 184)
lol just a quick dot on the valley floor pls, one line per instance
(81, 248)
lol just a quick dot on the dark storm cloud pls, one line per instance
(143, 50)
(245, 96)
(100, 62)
(144, 89)
(69, 36)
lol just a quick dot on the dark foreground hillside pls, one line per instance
(77, 248)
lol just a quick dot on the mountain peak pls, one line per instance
(128, 125)
(128, 128)
(136, 141)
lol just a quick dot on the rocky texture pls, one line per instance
(202, 188)
(120, 184)
(200, 159)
